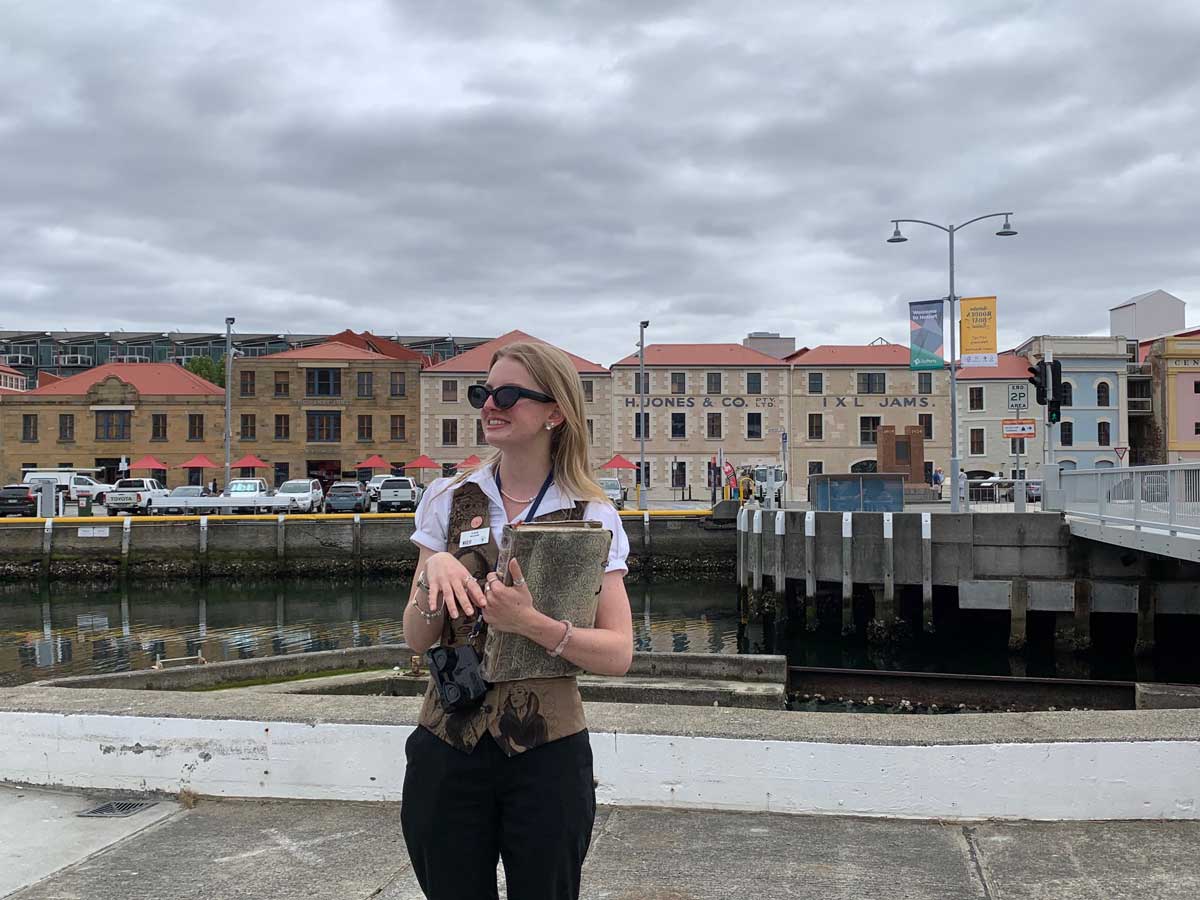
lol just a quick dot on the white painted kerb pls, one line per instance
(1093, 780)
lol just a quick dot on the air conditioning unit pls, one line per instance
(17, 359)
(73, 359)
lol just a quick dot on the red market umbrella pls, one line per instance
(374, 462)
(199, 461)
(471, 460)
(148, 462)
(249, 461)
(422, 462)
(619, 462)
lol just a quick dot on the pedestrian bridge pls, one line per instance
(1155, 509)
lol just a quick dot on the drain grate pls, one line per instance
(117, 809)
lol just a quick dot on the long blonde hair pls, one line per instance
(554, 373)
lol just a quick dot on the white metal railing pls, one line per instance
(998, 494)
(1162, 497)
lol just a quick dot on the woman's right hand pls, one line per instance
(451, 583)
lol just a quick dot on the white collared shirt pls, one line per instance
(433, 515)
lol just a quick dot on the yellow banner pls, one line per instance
(978, 331)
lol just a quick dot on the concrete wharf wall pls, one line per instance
(1019, 562)
(200, 546)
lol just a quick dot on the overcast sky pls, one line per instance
(568, 168)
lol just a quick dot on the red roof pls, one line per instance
(701, 355)
(7, 390)
(1144, 346)
(45, 378)
(367, 341)
(1009, 367)
(852, 355)
(147, 378)
(478, 360)
(330, 350)
(8, 370)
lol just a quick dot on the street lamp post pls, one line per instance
(642, 326)
(229, 320)
(1006, 230)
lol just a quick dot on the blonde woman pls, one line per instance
(510, 778)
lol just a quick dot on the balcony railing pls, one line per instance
(1141, 406)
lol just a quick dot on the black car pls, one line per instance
(185, 490)
(18, 500)
(347, 496)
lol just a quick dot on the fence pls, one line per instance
(999, 495)
(1165, 497)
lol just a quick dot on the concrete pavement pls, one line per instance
(344, 851)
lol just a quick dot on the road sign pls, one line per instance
(783, 438)
(1019, 428)
(1120, 451)
(1018, 395)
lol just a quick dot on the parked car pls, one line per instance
(1155, 488)
(615, 493)
(136, 495)
(347, 496)
(374, 484)
(305, 493)
(994, 489)
(18, 500)
(761, 475)
(83, 486)
(246, 490)
(60, 477)
(399, 494)
(186, 490)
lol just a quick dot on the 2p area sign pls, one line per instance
(1018, 395)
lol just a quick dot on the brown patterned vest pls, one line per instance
(518, 714)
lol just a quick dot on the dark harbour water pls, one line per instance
(71, 629)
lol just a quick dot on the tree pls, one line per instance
(208, 369)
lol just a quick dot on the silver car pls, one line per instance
(613, 490)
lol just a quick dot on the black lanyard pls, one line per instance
(536, 500)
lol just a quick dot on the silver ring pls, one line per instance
(487, 587)
(518, 582)
(467, 581)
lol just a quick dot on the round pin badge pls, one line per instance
(477, 522)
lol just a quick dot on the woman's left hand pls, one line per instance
(508, 608)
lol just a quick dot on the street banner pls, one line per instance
(927, 335)
(978, 330)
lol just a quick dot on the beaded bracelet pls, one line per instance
(562, 645)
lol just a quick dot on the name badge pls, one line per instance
(473, 538)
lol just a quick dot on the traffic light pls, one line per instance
(1040, 380)
(1053, 412)
(1056, 382)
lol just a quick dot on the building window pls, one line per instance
(712, 383)
(1196, 426)
(588, 391)
(480, 440)
(924, 382)
(249, 427)
(29, 424)
(450, 432)
(1017, 446)
(872, 383)
(195, 426)
(641, 425)
(816, 382)
(678, 382)
(324, 427)
(1103, 433)
(247, 384)
(366, 428)
(66, 427)
(158, 427)
(1102, 394)
(678, 474)
(366, 384)
(1066, 434)
(283, 427)
(678, 425)
(1068, 394)
(868, 430)
(638, 387)
(397, 385)
(323, 382)
(753, 426)
(113, 426)
(975, 398)
(450, 390)
(925, 420)
(591, 426)
(816, 427)
(398, 428)
(1196, 387)
(816, 467)
(283, 384)
(977, 442)
(714, 426)
(754, 382)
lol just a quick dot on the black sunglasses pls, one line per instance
(505, 396)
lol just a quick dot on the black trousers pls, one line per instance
(460, 813)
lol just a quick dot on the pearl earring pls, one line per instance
(549, 427)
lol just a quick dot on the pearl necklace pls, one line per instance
(515, 499)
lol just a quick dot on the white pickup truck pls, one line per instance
(399, 494)
(135, 495)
